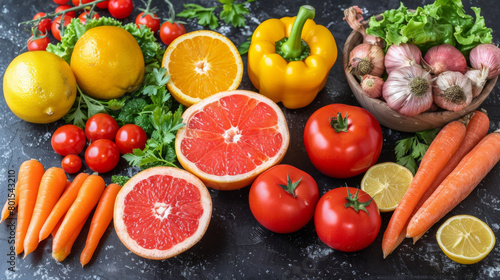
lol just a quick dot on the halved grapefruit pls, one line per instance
(231, 137)
(161, 212)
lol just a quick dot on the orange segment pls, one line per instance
(200, 64)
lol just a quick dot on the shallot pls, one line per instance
(402, 55)
(366, 59)
(478, 80)
(408, 90)
(353, 17)
(442, 58)
(372, 86)
(453, 91)
(486, 56)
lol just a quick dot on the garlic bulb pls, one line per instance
(478, 80)
(453, 91)
(408, 90)
(402, 55)
(442, 58)
(366, 59)
(486, 56)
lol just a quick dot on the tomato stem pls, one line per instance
(290, 186)
(339, 124)
(353, 201)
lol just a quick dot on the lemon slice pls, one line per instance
(387, 183)
(465, 239)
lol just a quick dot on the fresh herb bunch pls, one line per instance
(232, 12)
(410, 151)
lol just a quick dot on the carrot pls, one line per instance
(86, 200)
(62, 205)
(10, 204)
(458, 185)
(66, 249)
(436, 157)
(51, 186)
(100, 222)
(29, 177)
(477, 128)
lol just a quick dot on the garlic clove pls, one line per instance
(478, 80)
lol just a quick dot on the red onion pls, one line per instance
(408, 90)
(372, 86)
(442, 58)
(366, 59)
(478, 80)
(486, 56)
(453, 91)
(401, 56)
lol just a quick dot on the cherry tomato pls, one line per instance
(101, 126)
(340, 226)
(170, 31)
(83, 16)
(280, 210)
(151, 21)
(79, 2)
(39, 44)
(130, 137)
(344, 145)
(71, 164)
(56, 32)
(44, 24)
(61, 8)
(103, 4)
(120, 9)
(60, 2)
(68, 139)
(102, 155)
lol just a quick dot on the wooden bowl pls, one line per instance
(392, 119)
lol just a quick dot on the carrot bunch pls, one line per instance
(455, 163)
(49, 204)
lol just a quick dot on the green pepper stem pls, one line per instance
(293, 48)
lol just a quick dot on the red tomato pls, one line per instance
(276, 208)
(120, 9)
(103, 4)
(60, 2)
(340, 226)
(68, 139)
(71, 164)
(56, 32)
(130, 137)
(102, 155)
(101, 126)
(347, 153)
(44, 24)
(151, 21)
(61, 8)
(39, 44)
(83, 16)
(170, 31)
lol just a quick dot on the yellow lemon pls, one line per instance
(465, 239)
(387, 183)
(107, 62)
(39, 87)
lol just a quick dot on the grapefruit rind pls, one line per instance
(231, 182)
(187, 243)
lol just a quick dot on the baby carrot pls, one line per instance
(66, 249)
(10, 204)
(436, 157)
(458, 185)
(102, 217)
(86, 200)
(29, 177)
(477, 128)
(62, 205)
(51, 186)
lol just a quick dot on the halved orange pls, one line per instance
(161, 212)
(200, 64)
(231, 137)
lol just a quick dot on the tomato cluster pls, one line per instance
(106, 142)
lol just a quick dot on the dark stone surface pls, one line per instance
(235, 245)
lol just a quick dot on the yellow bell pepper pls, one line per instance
(289, 58)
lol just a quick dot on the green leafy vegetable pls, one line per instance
(442, 22)
(232, 12)
(119, 179)
(243, 48)
(410, 151)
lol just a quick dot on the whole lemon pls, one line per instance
(107, 62)
(39, 87)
